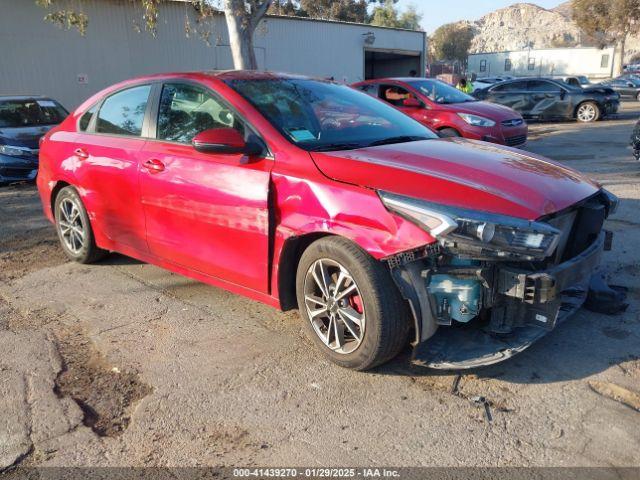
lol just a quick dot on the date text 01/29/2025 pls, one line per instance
(316, 473)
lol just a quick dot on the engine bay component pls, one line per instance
(458, 299)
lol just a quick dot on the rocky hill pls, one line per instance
(523, 24)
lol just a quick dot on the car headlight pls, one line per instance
(11, 151)
(485, 233)
(476, 121)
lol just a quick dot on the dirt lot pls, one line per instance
(122, 363)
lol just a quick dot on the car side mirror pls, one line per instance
(563, 93)
(629, 84)
(412, 102)
(224, 141)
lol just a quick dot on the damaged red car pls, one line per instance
(307, 194)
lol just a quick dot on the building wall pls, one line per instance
(40, 58)
(592, 62)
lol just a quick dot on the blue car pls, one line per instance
(23, 121)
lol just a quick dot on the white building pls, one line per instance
(40, 58)
(594, 63)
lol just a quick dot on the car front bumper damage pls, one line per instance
(525, 305)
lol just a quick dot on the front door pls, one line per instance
(513, 95)
(206, 212)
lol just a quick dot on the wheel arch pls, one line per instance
(292, 251)
(449, 127)
(54, 193)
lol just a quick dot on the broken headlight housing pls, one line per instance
(480, 233)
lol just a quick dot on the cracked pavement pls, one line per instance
(233, 382)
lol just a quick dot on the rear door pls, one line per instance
(206, 212)
(105, 160)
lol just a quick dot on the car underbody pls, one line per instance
(472, 310)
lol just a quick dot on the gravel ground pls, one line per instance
(124, 364)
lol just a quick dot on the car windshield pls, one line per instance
(441, 92)
(30, 113)
(325, 116)
(583, 80)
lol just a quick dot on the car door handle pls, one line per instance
(154, 165)
(81, 153)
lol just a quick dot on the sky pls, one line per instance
(438, 12)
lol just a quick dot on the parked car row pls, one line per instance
(448, 111)
(495, 113)
(308, 194)
(549, 99)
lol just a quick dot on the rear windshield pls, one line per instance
(30, 113)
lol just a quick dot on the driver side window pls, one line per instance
(186, 110)
(394, 95)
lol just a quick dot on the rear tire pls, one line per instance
(588, 112)
(363, 329)
(448, 133)
(74, 229)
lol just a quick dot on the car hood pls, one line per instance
(23, 136)
(492, 111)
(601, 89)
(463, 173)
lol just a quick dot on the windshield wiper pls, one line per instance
(335, 146)
(398, 139)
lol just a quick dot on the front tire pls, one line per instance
(74, 229)
(449, 133)
(588, 112)
(351, 307)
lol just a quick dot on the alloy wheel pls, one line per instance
(72, 229)
(334, 306)
(587, 113)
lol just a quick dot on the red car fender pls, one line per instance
(329, 208)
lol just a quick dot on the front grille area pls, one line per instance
(515, 141)
(516, 122)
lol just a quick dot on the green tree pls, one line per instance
(608, 22)
(451, 42)
(344, 10)
(242, 18)
(387, 15)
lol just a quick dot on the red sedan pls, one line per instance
(308, 194)
(449, 111)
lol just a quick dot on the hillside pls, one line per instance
(521, 24)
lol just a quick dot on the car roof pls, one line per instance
(222, 75)
(396, 79)
(24, 97)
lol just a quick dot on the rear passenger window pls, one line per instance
(85, 120)
(123, 112)
(186, 110)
